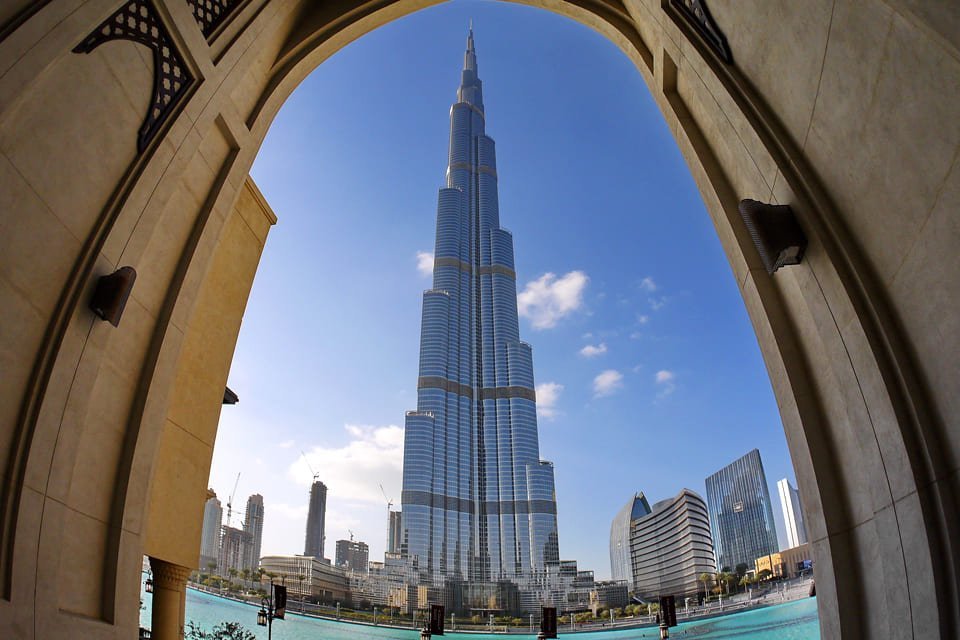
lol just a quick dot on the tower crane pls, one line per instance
(389, 501)
(315, 474)
(230, 501)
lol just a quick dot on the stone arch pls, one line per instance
(846, 113)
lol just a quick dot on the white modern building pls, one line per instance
(792, 514)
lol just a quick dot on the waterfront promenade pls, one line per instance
(796, 620)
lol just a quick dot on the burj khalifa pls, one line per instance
(478, 503)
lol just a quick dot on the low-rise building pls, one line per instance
(609, 594)
(320, 582)
(788, 563)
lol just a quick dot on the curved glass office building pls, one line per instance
(671, 546)
(621, 567)
(478, 504)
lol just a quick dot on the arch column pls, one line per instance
(169, 599)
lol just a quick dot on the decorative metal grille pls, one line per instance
(697, 14)
(137, 20)
(210, 14)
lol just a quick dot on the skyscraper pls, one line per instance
(478, 503)
(792, 514)
(210, 533)
(253, 527)
(394, 533)
(621, 566)
(315, 520)
(741, 516)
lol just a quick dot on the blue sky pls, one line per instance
(648, 371)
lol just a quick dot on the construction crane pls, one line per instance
(389, 501)
(351, 535)
(230, 501)
(315, 474)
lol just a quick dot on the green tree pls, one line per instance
(221, 631)
(742, 569)
(707, 580)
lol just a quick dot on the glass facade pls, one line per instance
(478, 504)
(621, 567)
(741, 515)
(670, 547)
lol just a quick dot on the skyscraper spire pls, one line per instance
(478, 503)
(470, 86)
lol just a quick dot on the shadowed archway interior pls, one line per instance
(846, 113)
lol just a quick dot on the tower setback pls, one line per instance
(478, 504)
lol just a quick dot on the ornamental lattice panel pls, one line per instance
(138, 21)
(210, 14)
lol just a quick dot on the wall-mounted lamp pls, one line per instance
(775, 232)
(229, 397)
(110, 296)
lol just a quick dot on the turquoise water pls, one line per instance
(791, 621)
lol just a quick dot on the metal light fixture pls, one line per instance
(110, 296)
(148, 584)
(775, 232)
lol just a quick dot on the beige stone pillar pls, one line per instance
(169, 598)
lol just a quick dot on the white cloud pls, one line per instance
(657, 303)
(547, 299)
(664, 376)
(638, 368)
(591, 351)
(607, 383)
(354, 472)
(424, 263)
(547, 395)
(648, 285)
(665, 379)
(286, 444)
(642, 319)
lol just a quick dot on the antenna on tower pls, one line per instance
(315, 474)
(230, 501)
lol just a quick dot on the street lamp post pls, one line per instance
(267, 613)
(338, 612)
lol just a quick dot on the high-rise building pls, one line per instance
(233, 550)
(352, 555)
(210, 532)
(670, 547)
(393, 534)
(741, 516)
(621, 567)
(478, 503)
(253, 527)
(315, 520)
(792, 514)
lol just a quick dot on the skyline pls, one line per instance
(623, 356)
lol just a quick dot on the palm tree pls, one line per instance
(706, 578)
(233, 576)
